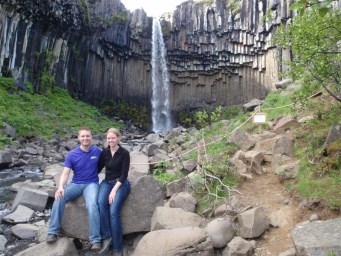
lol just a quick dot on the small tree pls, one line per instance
(315, 42)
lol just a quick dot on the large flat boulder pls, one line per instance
(33, 198)
(146, 194)
(180, 241)
(63, 246)
(318, 238)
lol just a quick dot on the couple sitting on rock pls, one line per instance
(104, 201)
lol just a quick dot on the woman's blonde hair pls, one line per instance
(116, 132)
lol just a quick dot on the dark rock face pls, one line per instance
(221, 53)
(218, 52)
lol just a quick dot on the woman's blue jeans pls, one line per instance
(111, 214)
(71, 192)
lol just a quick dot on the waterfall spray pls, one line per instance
(161, 114)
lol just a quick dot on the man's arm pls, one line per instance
(63, 179)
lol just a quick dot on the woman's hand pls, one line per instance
(112, 196)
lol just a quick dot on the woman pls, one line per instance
(113, 191)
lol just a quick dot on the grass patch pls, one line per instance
(327, 189)
(274, 105)
(38, 115)
(319, 171)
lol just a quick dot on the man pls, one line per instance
(83, 161)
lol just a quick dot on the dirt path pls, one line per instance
(266, 190)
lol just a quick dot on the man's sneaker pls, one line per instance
(96, 246)
(51, 238)
(105, 245)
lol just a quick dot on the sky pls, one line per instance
(152, 7)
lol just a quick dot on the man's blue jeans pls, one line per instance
(71, 192)
(111, 214)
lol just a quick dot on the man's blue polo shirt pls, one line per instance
(84, 164)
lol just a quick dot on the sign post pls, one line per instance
(259, 118)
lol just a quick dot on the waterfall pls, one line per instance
(161, 114)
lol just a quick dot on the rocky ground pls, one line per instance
(283, 208)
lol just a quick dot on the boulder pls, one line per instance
(5, 159)
(136, 214)
(25, 231)
(170, 218)
(318, 238)
(63, 246)
(3, 242)
(220, 231)
(284, 146)
(139, 163)
(239, 247)
(180, 241)
(20, 215)
(334, 134)
(243, 140)
(183, 200)
(253, 222)
(177, 186)
(35, 199)
(284, 124)
(53, 170)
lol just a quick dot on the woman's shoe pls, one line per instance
(105, 245)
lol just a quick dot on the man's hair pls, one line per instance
(84, 128)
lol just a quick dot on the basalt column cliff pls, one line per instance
(218, 52)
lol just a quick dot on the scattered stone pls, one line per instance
(221, 232)
(20, 215)
(318, 237)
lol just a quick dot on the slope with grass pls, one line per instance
(46, 116)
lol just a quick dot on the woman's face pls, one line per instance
(112, 139)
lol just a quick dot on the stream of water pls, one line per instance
(8, 177)
(161, 113)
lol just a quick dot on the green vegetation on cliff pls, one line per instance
(39, 115)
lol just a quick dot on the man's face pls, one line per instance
(85, 138)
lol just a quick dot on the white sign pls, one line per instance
(259, 118)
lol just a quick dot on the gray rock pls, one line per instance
(333, 134)
(180, 241)
(9, 130)
(170, 218)
(53, 170)
(31, 197)
(189, 165)
(239, 247)
(251, 105)
(318, 238)
(284, 146)
(221, 232)
(283, 83)
(25, 231)
(63, 246)
(20, 215)
(139, 163)
(284, 124)
(243, 140)
(177, 186)
(183, 200)
(5, 159)
(253, 222)
(3, 242)
(289, 252)
(146, 194)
